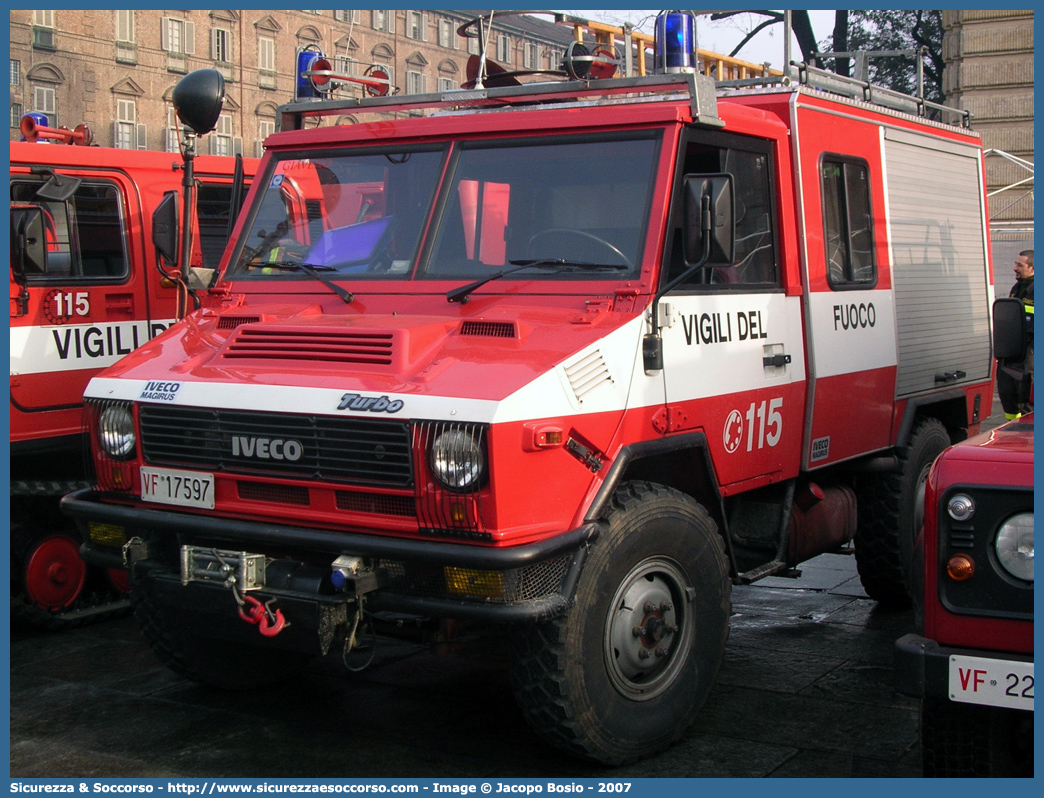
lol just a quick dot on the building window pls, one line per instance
(178, 36)
(384, 20)
(847, 223)
(416, 83)
(532, 56)
(222, 142)
(178, 39)
(170, 133)
(354, 17)
(44, 101)
(125, 26)
(447, 84)
(221, 45)
(43, 19)
(16, 115)
(417, 25)
(16, 72)
(266, 63)
(504, 49)
(265, 128)
(447, 35)
(127, 134)
(473, 45)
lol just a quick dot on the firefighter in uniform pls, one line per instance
(1014, 387)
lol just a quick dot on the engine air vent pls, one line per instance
(489, 329)
(231, 322)
(329, 346)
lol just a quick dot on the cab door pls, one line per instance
(732, 345)
(88, 307)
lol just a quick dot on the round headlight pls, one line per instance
(457, 459)
(1014, 546)
(116, 431)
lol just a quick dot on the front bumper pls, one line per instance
(415, 576)
(922, 666)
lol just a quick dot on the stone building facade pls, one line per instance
(989, 71)
(115, 70)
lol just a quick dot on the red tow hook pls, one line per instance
(269, 623)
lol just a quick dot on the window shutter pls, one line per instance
(165, 34)
(115, 134)
(237, 145)
(143, 137)
(213, 44)
(190, 38)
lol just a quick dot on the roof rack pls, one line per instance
(699, 90)
(855, 89)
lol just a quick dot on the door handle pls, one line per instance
(776, 360)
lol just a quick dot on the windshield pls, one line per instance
(364, 214)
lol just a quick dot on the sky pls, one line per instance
(721, 36)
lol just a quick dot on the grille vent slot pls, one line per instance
(962, 540)
(231, 322)
(329, 346)
(278, 494)
(587, 373)
(489, 329)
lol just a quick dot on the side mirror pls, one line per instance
(1009, 329)
(198, 99)
(28, 244)
(715, 189)
(165, 228)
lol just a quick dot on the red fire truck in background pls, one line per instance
(96, 294)
(971, 659)
(572, 357)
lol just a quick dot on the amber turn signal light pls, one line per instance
(960, 568)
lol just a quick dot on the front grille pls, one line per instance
(340, 450)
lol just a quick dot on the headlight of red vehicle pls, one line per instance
(1014, 546)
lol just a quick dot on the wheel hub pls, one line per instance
(55, 573)
(648, 631)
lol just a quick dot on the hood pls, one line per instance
(559, 356)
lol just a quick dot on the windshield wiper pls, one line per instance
(555, 264)
(311, 271)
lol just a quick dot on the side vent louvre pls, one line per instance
(489, 329)
(587, 373)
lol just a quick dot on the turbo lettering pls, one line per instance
(372, 404)
(854, 317)
(267, 448)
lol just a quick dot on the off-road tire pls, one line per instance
(891, 511)
(576, 676)
(968, 740)
(210, 661)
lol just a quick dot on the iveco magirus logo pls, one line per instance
(373, 404)
(266, 448)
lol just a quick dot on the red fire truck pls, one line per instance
(92, 294)
(971, 662)
(572, 357)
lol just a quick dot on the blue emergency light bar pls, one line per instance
(675, 41)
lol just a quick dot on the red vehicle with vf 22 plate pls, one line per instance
(971, 661)
(569, 357)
